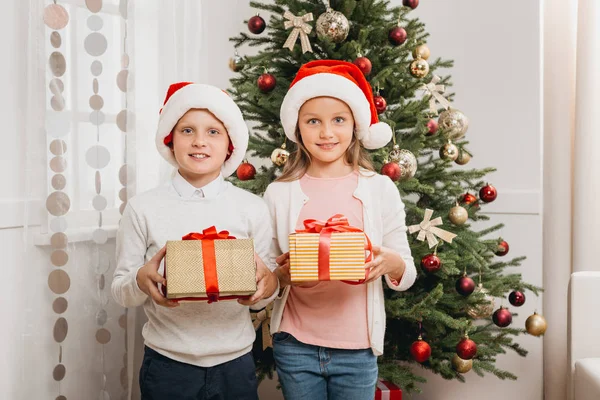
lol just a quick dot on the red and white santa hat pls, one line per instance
(184, 96)
(341, 80)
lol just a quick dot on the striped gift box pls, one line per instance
(387, 391)
(346, 256)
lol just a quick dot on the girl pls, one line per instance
(327, 335)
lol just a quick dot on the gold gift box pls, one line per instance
(346, 256)
(235, 265)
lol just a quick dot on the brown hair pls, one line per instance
(300, 159)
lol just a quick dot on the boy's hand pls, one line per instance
(266, 283)
(283, 273)
(385, 261)
(148, 278)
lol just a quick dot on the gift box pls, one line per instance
(330, 250)
(387, 391)
(210, 266)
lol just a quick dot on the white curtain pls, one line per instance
(571, 168)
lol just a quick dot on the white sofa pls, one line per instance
(584, 336)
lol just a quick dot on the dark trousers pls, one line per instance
(162, 378)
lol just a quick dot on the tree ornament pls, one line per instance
(397, 35)
(364, 64)
(502, 317)
(257, 24)
(463, 157)
(266, 82)
(380, 104)
(516, 298)
(391, 170)
(465, 285)
(301, 28)
(466, 348)
(502, 248)
(410, 3)
(435, 92)
(419, 68)
(458, 215)
(460, 365)
(468, 199)
(454, 123)
(246, 171)
(406, 160)
(432, 127)
(488, 193)
(449, 151)
(420, 350)
(421, 51)
(431, 263)
(428, 229)
(333, 25)
(536, 324)
(235, 62)
(484, 309)
(280, 155)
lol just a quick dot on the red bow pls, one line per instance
(337, 223)
(208, 234)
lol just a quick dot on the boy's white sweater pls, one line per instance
(196, 333)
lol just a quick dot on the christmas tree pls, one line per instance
(447, 322)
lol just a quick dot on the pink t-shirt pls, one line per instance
(330, 314)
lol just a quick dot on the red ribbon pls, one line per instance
(337, 223)
(211, 281)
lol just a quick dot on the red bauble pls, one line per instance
(246, 171)
(516, 298)
(420, 350)
(392, 170)
(364, 64)
(432, 125)
(410, 3)
(502, 248)
(488, 193)
(469, 199)
(266, 82)
(502, 317)
(466, 349)
(397, 36)
(431, 263)
(256, 24)
(464, 287)
(380, 104)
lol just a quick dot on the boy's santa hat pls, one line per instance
(184, 96)
(341, 80)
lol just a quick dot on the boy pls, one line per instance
(194, 350)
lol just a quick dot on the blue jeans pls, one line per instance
(162, 378)
(322, 373)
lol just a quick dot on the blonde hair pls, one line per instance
(300, 160)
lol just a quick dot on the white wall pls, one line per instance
(497, 81)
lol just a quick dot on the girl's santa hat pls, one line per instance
(184, 96)
(341, 80)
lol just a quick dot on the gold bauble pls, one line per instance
(463, 158)
(484, 309)
(458, 215)
(453, 123)
(419, 68)
(333, 25)
(460, 365)
(280, 155)
(449, 152)
(421, 51)
(235, 63)
(536, 324)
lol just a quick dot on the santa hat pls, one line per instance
(344, 81)
(184, 96)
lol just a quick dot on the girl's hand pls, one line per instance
(283, 273)
(385, 261)
(266, 283)
(148, 278)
